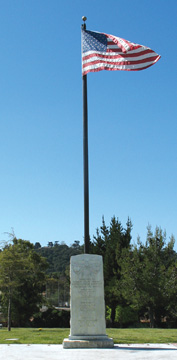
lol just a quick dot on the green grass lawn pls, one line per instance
(56, 336)
(33, 336)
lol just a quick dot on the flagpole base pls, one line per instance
(88, 342)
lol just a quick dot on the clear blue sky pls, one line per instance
(132, 120)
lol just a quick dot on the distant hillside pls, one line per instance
(58, 255)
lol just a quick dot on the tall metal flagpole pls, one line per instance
(85, 155)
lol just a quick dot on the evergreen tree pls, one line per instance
(110, 243)
(146, 273)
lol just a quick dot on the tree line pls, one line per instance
(140, 279)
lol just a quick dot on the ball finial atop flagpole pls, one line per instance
(84, 18)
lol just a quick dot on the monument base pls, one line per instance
(88, 325)
(92, 342)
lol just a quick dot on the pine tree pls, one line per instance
(110, 243)
(145, 275)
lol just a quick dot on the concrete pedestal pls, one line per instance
(88, 326)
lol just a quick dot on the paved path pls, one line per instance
(119, 352)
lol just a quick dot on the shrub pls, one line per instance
(125, 316)
(52, 318)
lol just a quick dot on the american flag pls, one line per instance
(107, 52)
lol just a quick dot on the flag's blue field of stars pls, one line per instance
(93, 41)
